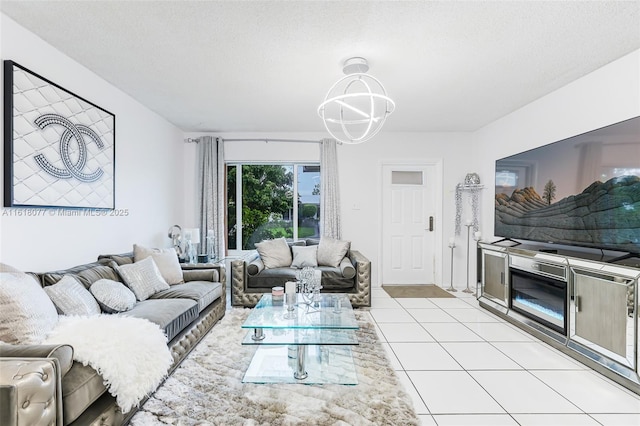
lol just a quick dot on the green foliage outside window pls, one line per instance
(267, 198)
(308, 210)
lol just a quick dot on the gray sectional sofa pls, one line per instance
(251, 279)
(70, 393)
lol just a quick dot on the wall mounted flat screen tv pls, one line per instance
(581, 191)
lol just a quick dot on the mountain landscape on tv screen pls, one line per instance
(604, 215)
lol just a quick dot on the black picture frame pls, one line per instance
(59, 148)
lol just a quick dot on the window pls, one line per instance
(261, 203)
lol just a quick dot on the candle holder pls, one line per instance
(452, 245)
(476, 237)
(468, 289)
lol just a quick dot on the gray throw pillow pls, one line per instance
(112, 296)
(72, 298)
(304, 256)
(331, 251)
(274, 253)
(143, 278)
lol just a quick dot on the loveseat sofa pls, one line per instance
(343, 270)
(41, 384)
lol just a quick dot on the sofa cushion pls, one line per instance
(113, 296)
(71, 298)
(26, 312)
(172, 315)
(332, 279)
(120, 259)
(81, 386)
(274, 253)
(270, 278)
(143, 278)
(304, 256)
(332, 251)
(166, 260)
(203, 292)
(87, 274)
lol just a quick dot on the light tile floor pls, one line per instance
(463, 365)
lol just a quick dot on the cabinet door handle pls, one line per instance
(501, 277)
(577, 304)
(430, 223)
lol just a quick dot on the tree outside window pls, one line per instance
(266, 197)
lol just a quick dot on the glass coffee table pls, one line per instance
(307, 345)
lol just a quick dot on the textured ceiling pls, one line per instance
(265, 66)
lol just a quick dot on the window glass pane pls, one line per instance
(231, 208)
(308, 201)
(406, 178)
(267, 203)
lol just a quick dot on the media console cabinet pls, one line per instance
(582, 304)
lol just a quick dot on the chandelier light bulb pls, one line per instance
(356, 106)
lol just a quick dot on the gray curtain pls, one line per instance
(330, 189)
(211, 204)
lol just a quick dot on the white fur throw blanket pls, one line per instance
(130, 354)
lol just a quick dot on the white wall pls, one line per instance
(149, 179)
(606, 96)
(360, 177)
(156, 170)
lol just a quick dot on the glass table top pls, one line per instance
(324, 364)
(267, 315)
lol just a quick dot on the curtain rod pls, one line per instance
(266, 140)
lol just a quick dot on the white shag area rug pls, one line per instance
(207, 388)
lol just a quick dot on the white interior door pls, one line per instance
(408, 224)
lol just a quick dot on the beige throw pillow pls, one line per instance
(27, 314)
(304, 256)
(143, 278)
(166, 260)
(331, 251)
(275, 253)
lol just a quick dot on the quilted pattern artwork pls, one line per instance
(63, 146)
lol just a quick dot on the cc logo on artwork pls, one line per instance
(72, 131)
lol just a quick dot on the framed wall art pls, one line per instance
(59, 149)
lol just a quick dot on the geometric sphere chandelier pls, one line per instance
(356, 106)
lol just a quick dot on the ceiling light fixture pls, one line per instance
(357, 105)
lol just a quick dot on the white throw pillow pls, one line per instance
(304, 256)
(275, 253)
(71, 298)
(112, 296)
(331, 251)
(166, 260)
(26, 312)
(143, 278)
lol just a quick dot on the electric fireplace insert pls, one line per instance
(540, 297)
